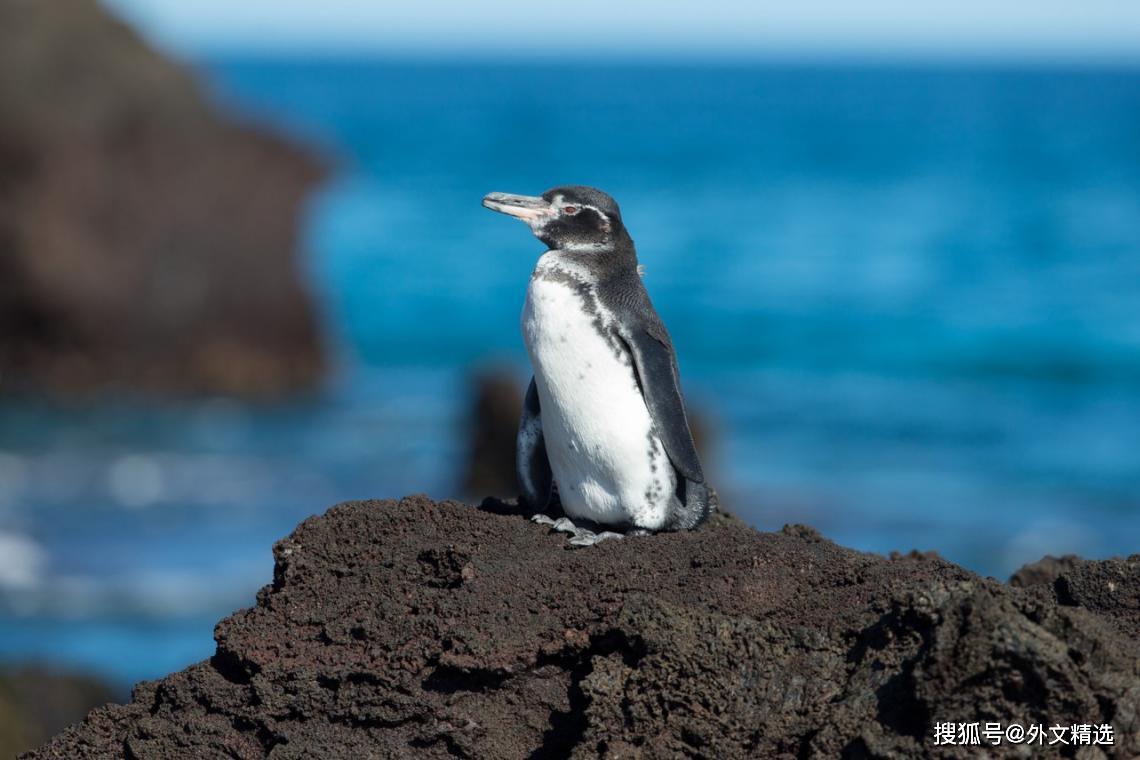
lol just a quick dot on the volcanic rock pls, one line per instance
(440, 629)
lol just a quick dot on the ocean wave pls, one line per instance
(143, 595)
(22, 562)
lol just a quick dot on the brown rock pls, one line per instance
(1110, 587)
(394, 628)
(1044, 571)
(145, 241)
(494, 425)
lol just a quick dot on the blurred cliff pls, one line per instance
(145, 242)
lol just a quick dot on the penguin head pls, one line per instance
(570, 217)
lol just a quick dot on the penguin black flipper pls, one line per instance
(531, 462)
(657, 375)
(655, 363)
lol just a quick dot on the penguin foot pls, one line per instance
(578, 536)
(583, 537)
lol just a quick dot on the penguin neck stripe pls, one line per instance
(583, 247)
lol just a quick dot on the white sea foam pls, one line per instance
(22, 562)
(149, 594)
(1053, 535)
(135, 481)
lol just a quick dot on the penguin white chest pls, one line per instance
(607, 461)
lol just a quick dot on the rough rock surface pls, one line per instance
(1110, 588)
(145, 241)
(438, 629)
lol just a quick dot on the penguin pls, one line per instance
(603, 435)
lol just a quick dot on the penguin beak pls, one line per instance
(529, 208)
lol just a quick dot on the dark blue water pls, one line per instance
(908, 301)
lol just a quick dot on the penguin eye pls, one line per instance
(571, 210)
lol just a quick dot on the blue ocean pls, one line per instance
(905, 298)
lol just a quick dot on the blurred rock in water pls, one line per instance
(145, 241)
(37, 702)
(498, 401)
